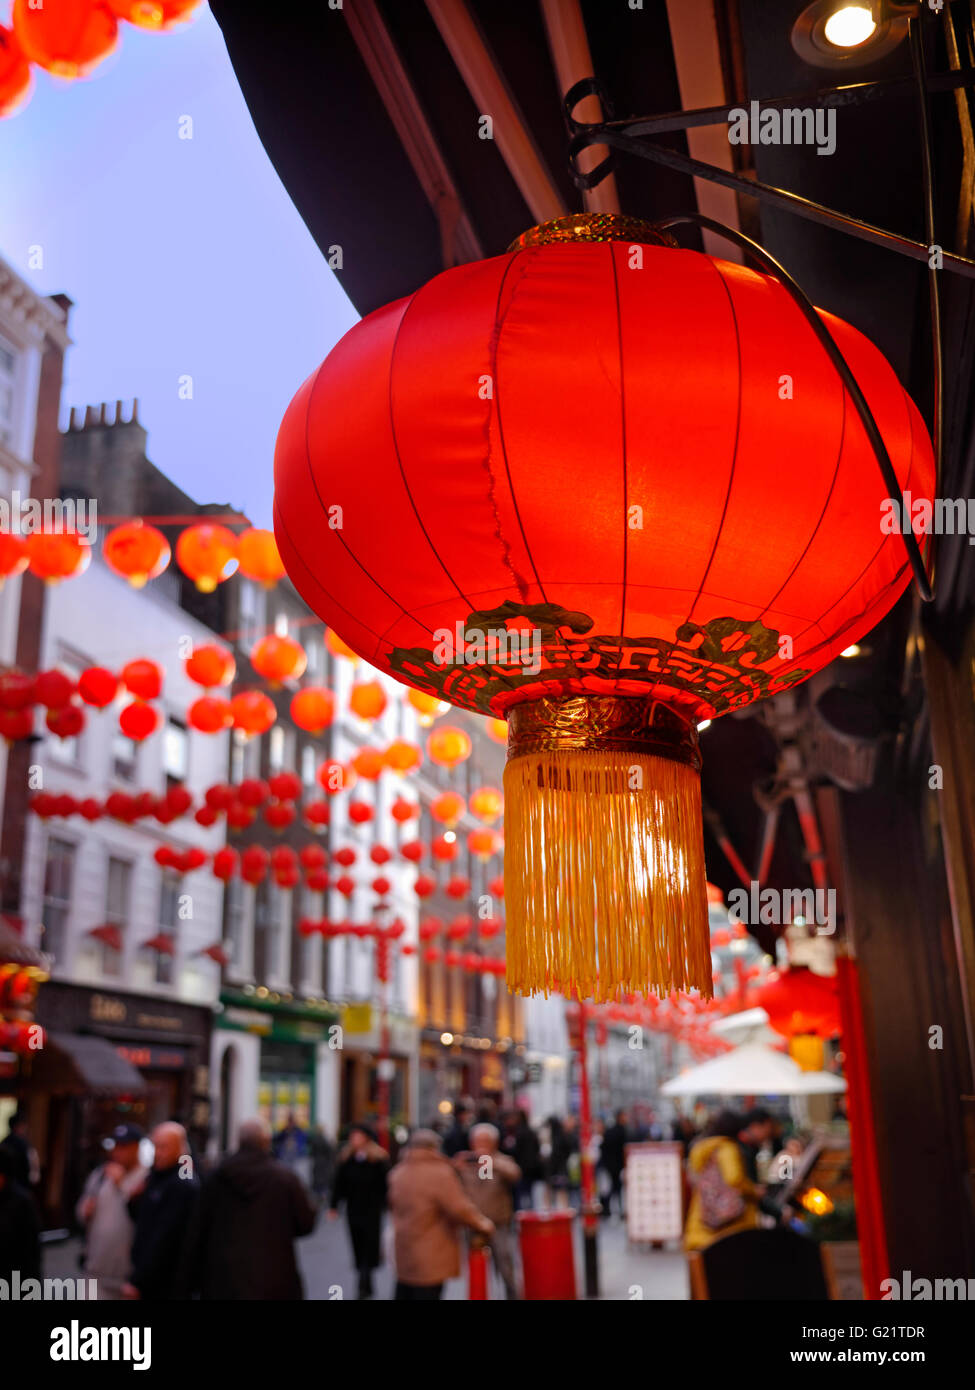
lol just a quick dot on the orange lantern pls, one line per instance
(138, 720)
(210, 715)
(367, 699)
(448, 808)
(137, 552)
(498, 730)
(427, 706)
(253, 712)
(448, 746)
(13, 551)
(337, 647)
(207, 554)
(369, 763)
(143, 678)
(313, 709)
(259, 559)
(486, 804)
(211, 665)
(154, 14)
(15, 75)
(482, 843)
(57, 555)
(403, 810)
(69, 38)
(402, 756)
(279, 659)
(98, 686)
(334, 777)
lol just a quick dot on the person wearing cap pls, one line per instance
(103, 1210)
(360, 1182)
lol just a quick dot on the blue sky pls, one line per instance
(182, 256)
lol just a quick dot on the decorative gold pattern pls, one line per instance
(592, 226)
(607, 723)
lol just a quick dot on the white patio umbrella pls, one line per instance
(752, 1070)
(747, 1026)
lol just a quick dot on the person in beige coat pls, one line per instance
(489, 1178)
(428, 1206)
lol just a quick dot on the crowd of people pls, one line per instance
(163, 1233)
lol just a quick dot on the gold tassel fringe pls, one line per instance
(604, 880)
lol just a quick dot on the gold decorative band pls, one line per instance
(602, 723)
(592, 226)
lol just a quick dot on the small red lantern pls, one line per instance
(403, 756)
(488, 928)
(138, 720)
(458, 888)
(179, 800)
(432, 954)
(496, 887)
(279, 659)
(403, 810)
(53, 689)
(487, 804)
(379, 854)
(57, 555)
(367, 699)
(459, 929)
(165, 857)
(360, 812)
(143, 679)
(279, 814)
(425, 886)
(429, 928)
(254, 712)
(66, 721)
(317, 880)
(443, 849)
(210, 715)
(43, 805)
(381, 886)
(413, 850)
(137, 552)
(207, 554)
(98, 686)
(317, 814)
(408, 949)
(428, 707)
(211, 665)
(91, 809)
(312, 857)
(482, 844)
(254, 864)
(451, 959)
(448, 808)
(16, 724)
(313, 709)
(220, 796)
(368, 764)
(334, 777)
(447, 745)
(498, 730)
(346, 856)
(345, 886)
(286, 786)
(239, 816)
(17, 690)
(68, 38)
(13, 551)
(259, 558)
(154, 14)
(253, 791)
(799, 1001)
(206, 817)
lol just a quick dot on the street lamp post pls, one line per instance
(590, 1204)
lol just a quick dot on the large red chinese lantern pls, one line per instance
(630, 491)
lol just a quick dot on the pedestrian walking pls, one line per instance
(360, 1185)
(251, 1210)
(429, 1206)
(563, 1159)
(23, 1155)
(520, 1143)
(103, 1210)
(162, 1212)
(490, 1178)
(290, 1142)
(724, 1199)
(322, 1152)
(457, 1138)
(612, 1159)
(20, 1247)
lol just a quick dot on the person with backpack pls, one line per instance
(724, 1200)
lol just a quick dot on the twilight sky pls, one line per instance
(182, 256)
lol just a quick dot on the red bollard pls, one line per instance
(477, 1271)
(547, 1257)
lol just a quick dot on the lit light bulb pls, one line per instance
(854, 650)
(849, 26)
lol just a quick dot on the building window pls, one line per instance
(251, 624)
(58, 880)
(275, 748)
(169, 897)
(235, 921)
(8, 381)
(176, 753)
(68, 750)
(309, 765)
(125, 757)
(281, 624)
(117, 899)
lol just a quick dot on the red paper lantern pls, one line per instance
(443, 849)
(317, 880)
(458, 888)
(488, 928)
(403, 810)
(432, 954)
(254, 864)
(16, 724)
(165, 857)
(448, 808)
(367, 699)
(379, 854)
(286, 786)
(13, 551)
(253, 791)
(368, 764)
(451, 959)
(98, 686)
(284, 859)
(17, 690)
(413, 850)
(91, 809)
(799, 1001)
(206, 817)
(360, 813)
(408, 949)
(143, 679)
(210, 715)
(67, 37)
(345, 886)
(429, 928)
(57, 555)
(312, 857)
(335, 777)
(207, 554)
(428, 707)
(313, 709)
(403, 756)
(259, 557)
(459, 929)
(279, 814)
(254, 712)
(498, 730)
(424, 886)
(53, 689)
(496, 887)
(239, 816)
(192, 859)
(470, 961)
(486, 804)
(279, 659)
(220, 796)
(345, 856)
(337, 647)
(138, 720)
(317, 814)
(381, 886)
(211, 665)
(482, 844)
(447, 746)
(154, 14)
(137, 552)
(619, 537)
(43, 805)
(120, 806)
(66, 721)
(179, 800)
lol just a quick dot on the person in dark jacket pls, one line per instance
(322, 1152)
(251, 1210)
(612, 1159)
(360, 1182)
(457, 1138)
(563, 1162)
(17, 1145)
(20, 1246)
(162, 1212)
(520, 1142)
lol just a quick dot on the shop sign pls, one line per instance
(357, 1018)
(160, 1058)
(249, 1020)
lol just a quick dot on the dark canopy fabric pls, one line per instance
(80, 1064)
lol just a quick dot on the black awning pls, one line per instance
(83, 1065)
(14, 948)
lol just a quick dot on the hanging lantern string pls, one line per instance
(800, 298)
(934, 291)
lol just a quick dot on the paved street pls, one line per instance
(328, 1272)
